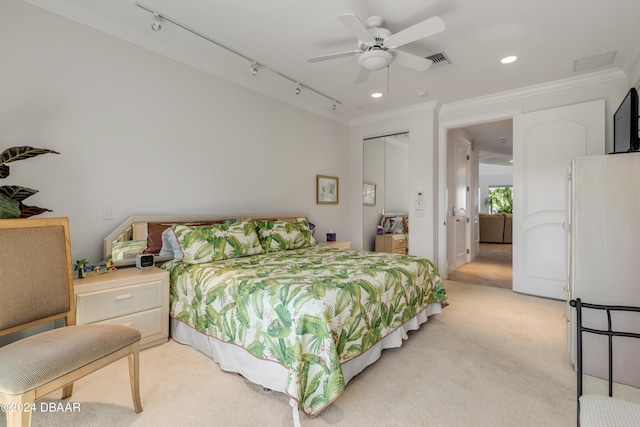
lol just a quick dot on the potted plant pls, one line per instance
(11, 196)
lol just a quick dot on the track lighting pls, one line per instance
(156, 25)
(254, 68)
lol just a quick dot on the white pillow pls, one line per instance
(170, 246)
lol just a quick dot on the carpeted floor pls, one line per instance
(492, 358)
(492, 267)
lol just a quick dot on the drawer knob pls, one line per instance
(124, 296)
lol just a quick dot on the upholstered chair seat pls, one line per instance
(39, 359)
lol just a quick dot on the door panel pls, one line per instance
(549, 148)
(461, 225)
(544, 142)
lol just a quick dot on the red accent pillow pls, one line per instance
(154, 237)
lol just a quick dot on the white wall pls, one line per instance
(147, 135)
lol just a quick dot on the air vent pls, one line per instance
(439, 58)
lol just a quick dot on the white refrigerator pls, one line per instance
(603, 256)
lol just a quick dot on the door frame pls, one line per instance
(443, 162)
(455, 186)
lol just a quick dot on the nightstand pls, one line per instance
(128, 296)
(392, 243)
(336, 245)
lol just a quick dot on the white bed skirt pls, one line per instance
(272, 375)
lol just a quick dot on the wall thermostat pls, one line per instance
(145, 261)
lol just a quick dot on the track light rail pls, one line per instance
(255, 65)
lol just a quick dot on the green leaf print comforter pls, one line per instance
(308, 309)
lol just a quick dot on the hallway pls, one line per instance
(492, 267)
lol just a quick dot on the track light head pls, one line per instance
(254, 68)
(156, 25)
(298, 89)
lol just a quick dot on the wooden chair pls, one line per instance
(599, 410)
(36, 287)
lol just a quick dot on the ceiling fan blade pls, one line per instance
(416, 32)
(408, 60)
(357, 27)
(334, 56)
(362, 76)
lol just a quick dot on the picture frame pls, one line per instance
(327, 189)
(369, 193)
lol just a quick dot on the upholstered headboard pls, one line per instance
(138, 233)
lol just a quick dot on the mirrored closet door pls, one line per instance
(385, 188)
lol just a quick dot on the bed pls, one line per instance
(262, 299)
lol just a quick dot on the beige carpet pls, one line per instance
(492, 358)
(492, 267)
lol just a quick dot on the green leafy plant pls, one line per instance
(500, 200)
(11, 196)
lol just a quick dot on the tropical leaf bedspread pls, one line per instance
(308, 309)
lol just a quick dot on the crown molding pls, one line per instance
(554, 86)
(398, 113)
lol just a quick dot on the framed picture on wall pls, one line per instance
(326, 189)
(369, 193)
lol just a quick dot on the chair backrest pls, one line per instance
(36, 274)
(609, 332)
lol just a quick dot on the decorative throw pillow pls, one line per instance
(216, 242)
(155, 234)
(282, 235)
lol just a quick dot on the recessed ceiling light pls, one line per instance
(376, 95)
(509, 59)
(423, 93)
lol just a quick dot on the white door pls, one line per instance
(544, 142)
(461, 216)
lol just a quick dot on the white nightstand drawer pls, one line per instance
(148, 322)
(109, 303)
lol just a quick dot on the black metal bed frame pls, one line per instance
(579, 305)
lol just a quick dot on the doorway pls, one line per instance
(490, 262)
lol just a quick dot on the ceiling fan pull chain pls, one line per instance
(388, 79)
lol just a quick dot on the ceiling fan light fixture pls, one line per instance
(375, 59)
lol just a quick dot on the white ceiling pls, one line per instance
(546, 35)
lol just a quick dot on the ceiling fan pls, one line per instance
(377, 46)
